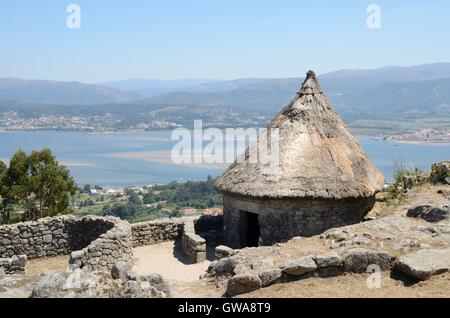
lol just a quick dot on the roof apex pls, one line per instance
(310, 85)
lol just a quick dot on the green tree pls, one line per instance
(87, 188)
(120, 210)
(5, 206)
(176, 213)
(134, 198)
(39, 183)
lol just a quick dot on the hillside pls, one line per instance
(421, 72)
(352, 98)
(61, 93)
(150, 87)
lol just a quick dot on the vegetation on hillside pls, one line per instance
(404, 179)
(137, 204)
(196, 194)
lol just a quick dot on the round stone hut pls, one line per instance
(323, 178)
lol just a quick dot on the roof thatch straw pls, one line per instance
(318, 156)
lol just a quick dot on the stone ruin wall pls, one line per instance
(195, 234)
(49, 237)
(114, 244)
(157, 231)
(99, 242)
(44, 238)
(193, 245)
(280, 220)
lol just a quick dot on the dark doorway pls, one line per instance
(249, 229)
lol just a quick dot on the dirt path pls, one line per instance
(168, 260)
(37, 267)
(182, 275)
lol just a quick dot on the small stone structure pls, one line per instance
(112, 246)
(49, 237)
(319, 176)
(194, 246)
(195, 234)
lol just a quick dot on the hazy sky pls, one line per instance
(215, 39)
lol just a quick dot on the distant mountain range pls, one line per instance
(421, 72)
(369, 94)
(149, 87)
(384, 93)
(61, 93)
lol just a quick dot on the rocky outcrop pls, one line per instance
(299, 266)
(225, 266)
(329, 264)
(139, 289)
(429, 213)
(270, 277)
(242, 284)
(440, 172)
(331, 259)
(222, 251)
(49, 286)
(93, 284)
(424, 263)
(357, 260)
(120, 270)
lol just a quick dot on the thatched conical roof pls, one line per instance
(318, 156)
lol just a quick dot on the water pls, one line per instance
(144, 157)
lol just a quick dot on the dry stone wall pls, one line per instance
(114, 245)
(194, 246)
(46, 237)
(153, 232)
(97, 241)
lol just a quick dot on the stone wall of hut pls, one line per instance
(98, 242)
(280, 220)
